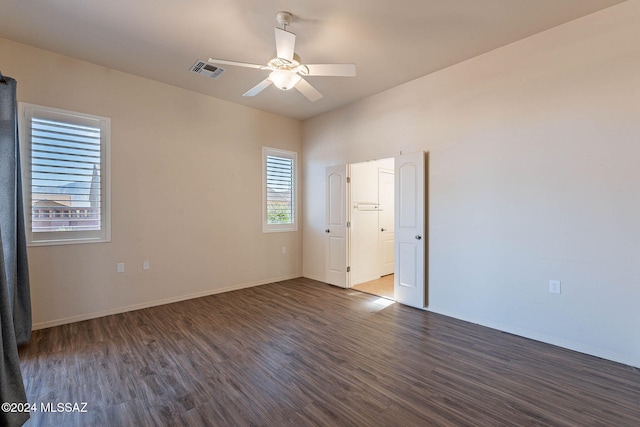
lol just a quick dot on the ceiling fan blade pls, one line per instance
(336, 70)
(234, 63)
(285, 44)
(258, 88)
(307, 90)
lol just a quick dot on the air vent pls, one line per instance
(206, 69)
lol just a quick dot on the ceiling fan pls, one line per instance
(287, 69)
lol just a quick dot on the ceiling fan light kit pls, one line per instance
(287, 69)
(284, 79)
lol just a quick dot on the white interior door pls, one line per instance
(363, 245)
(336, 227)
(410, 238)
(386, 221)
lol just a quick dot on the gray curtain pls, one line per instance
(15, 298)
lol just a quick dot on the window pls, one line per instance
(279, 186)
(65, 159)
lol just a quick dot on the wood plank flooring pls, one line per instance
(303, 353)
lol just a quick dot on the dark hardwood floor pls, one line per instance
(299, 353)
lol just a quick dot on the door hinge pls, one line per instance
(348, 269)
(348, 224)
(348, 180)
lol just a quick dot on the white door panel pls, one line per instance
(387, 255)
(410, 238)
(336, 226)
(363, 245)
(407, 271)
(336, 254)
(335, 185)
(407, 205)
(386, 221)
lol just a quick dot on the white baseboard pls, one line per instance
(95, 315)
(548, 339)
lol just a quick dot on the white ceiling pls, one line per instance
(391, 42)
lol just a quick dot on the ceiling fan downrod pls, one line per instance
(284, 19)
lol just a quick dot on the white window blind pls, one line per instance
(66, 163)
(279, 190)
(280, 209)
(65, 176)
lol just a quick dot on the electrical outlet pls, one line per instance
(120, 267)
(146, 265)
(555, 286)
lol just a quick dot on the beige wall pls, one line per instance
(534, 175)
(186, 192)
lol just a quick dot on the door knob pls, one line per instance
(418, 237)
(327, 231)
(383, 229)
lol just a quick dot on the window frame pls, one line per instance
(276, 228)
(50, 238)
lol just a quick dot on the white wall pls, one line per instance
(186, 192)
(534, 152)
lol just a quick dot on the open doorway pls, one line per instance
(372, 227)
(409, 238)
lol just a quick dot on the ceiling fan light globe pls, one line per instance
(284, 79)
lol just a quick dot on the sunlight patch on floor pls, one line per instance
(382, 302)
